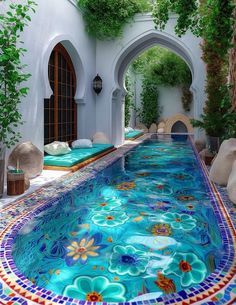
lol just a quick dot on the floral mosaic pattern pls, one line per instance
(161, 229)
(128, 260)
(83, 249)
(142, 215)
(97, 289)
(110, 219)
(165, 284)
(188, 267)
(107, 205)
(180, 221)
(125, 186)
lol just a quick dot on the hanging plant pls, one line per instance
(105, 19)
(187, 11)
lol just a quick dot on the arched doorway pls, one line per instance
(178, 120)
(179, 127)
(60, 111)
(114, 57)
(132, 50)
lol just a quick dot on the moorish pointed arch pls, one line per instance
(60, 111)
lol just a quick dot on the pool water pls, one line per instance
(145, 227)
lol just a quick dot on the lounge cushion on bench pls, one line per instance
(133, 134)
(77, 155)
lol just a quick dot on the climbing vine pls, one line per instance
(105, 19)
(150, 110)
(128, 100)
(187, 11)
(217, 32)
(213, 21)
(162, 67)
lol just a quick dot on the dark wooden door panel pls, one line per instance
(60, 111)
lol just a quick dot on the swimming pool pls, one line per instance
(143, 228)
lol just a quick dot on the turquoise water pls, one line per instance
(145, 225)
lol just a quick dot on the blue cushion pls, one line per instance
(133, 134)
(77, 155)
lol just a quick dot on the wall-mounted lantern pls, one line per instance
(97, 84)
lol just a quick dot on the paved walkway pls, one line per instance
(46, 177)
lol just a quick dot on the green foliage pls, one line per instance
(149, 96)
(105, 18)
(11, 70)
(187, 11)
(187, 98)
(212, 20)
(165, 66)
(171, 70)
(162, 67)
(216, 24)
(151, 56)
(128, 100)
(220, 123)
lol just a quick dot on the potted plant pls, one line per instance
(220, 123)
(12, 77)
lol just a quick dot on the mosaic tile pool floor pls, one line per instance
(218, 288)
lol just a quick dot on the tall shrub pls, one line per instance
(149, 96)
(12, 75)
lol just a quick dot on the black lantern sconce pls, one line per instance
(97, 84)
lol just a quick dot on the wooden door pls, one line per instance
(60, 111)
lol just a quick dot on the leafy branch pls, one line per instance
(105, 19)
(11, 70)
(214, 21)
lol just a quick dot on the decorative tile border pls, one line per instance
(230, 206)
(15, 289)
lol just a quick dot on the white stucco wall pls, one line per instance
(118, 54)
(57, 21)
(137, 80)
(60, 21)
(169, 100)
